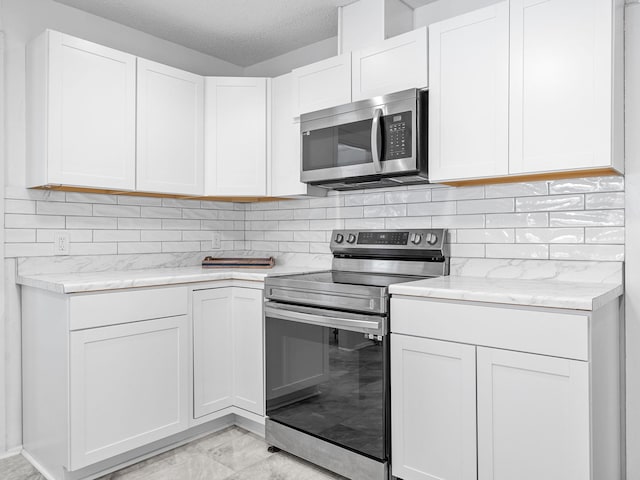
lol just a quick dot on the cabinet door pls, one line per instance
(170, 130)
(285, 140)
(128, 387)
(469, 95)
(533, 417)
(322, 84)
(248, 363)
(91, 114)
(236, 136)
(561, 85)
(212, 351)
(433, 409)
(398, 63)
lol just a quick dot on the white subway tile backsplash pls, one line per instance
(610, 235)
(173, 224)
(550, 235)
(516, 189)
(563, 219)
(385, 211)
(591, 218)
(33, 221)
(550, 203)
(78, 197)
(603, 201)
(586, 185)
(497, 205)
(462, 193)
(518, 250)
(92, 248)
(458, 221)
(497, 235)
(116, 210)
(364, 223)
(139, 223)
(93, 223)
(116, 236)
(63, 208)
(125, 248)
(510, 220)
(587, 252)
(20, 235)
(431, 208)
(20, 206)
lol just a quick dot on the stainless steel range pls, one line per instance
(327, 349)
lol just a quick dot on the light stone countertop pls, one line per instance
(535, 293)
(113, 280)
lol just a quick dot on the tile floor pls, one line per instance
(231, 454)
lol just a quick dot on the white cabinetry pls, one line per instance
(322, 84)
(396, 64)
(128, 387)
(532, 407)
(562, 60)
(170, 131)
(236, 115)
(433, 409)
(546, 392)
(285, 140)
(469, 95)
(81, 113)
(228, 350)
(563, 85)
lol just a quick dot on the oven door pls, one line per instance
(327, 375)
(372, 139)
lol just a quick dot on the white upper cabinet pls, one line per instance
(322, 84)
(236, 135)
(563, 85)
(469, 95)
(81, 111)
(285, 140)
(396, 64)
(170, 143)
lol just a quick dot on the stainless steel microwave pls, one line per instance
(377, 142)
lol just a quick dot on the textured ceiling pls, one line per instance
(243, 32)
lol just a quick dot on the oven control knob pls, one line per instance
(417, 238)
(432, 238)
(351, 238)
(339, 238)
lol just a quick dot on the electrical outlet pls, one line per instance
(216, 241)
(61, 243)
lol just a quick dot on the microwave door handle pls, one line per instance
(376, 140)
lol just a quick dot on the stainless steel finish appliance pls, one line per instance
(327, 348)
(371, 143)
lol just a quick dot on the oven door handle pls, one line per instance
(352, 324)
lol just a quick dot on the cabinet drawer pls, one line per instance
(101, 309)
(537, 331)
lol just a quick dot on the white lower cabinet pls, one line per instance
(532, 407)
(433, 409)
(532, 415)
(228, 350)
(128, 387)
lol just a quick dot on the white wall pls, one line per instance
(436, 11)
(297, 58)
(632, 280)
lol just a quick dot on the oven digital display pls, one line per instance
(383, 238)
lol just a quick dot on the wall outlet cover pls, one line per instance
(216, 241)
(61, 243)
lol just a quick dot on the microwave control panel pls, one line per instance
(397, 136)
